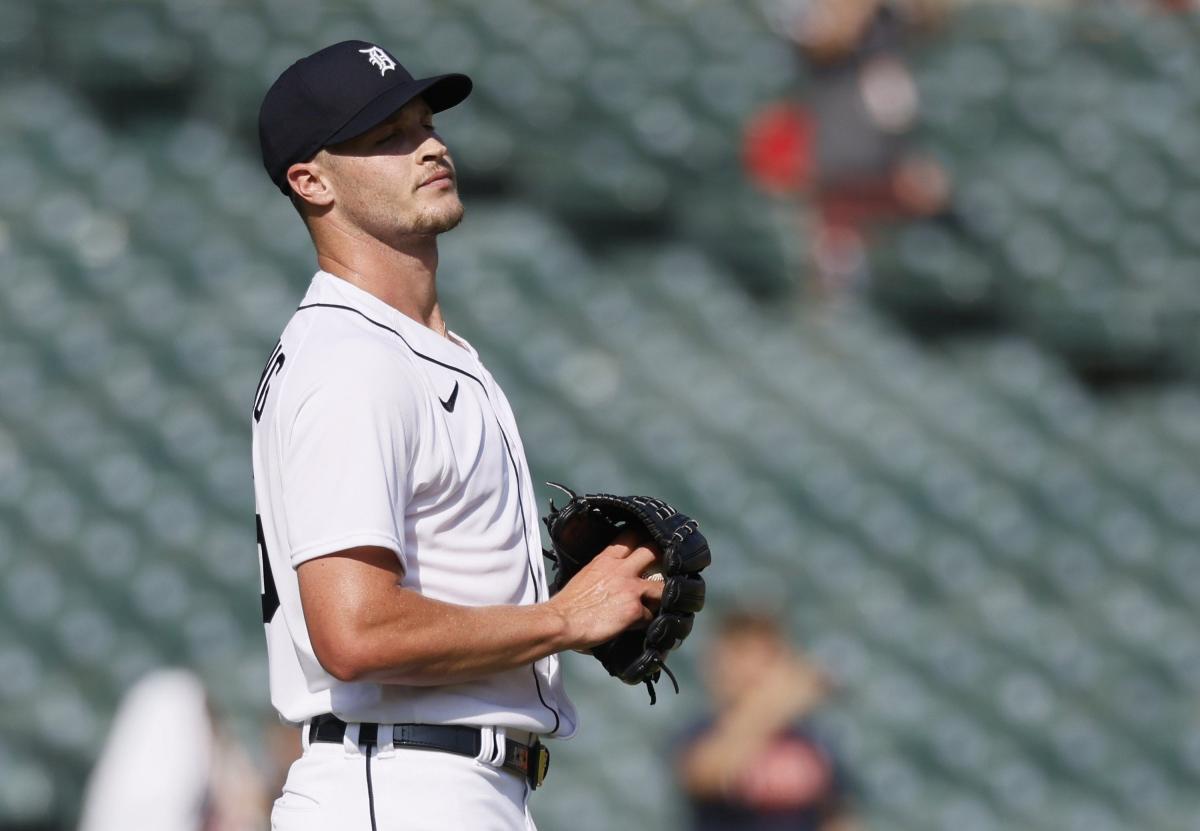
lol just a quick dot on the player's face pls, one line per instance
(397, 179)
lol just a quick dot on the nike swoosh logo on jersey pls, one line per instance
(449, 402)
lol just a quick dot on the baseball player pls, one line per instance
(409, 628)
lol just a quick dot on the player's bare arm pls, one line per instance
(364, 626)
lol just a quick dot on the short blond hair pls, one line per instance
(747, 622)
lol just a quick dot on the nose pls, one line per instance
(433, 150)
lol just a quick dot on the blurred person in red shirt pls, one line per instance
(756, 764)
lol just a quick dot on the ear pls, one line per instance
(310, 181)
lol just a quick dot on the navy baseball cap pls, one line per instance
(339, 93)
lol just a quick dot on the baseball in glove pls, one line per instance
(586, 525)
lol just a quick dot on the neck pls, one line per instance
(402, 274)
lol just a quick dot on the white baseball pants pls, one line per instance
(410, 790)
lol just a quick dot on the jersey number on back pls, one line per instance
(270, 595)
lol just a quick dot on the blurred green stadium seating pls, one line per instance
(999, 565)
(1072, 138)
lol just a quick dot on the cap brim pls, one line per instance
(441, 92)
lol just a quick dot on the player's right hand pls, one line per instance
(608, 595)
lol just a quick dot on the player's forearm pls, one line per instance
(364, 626)
(425, 642)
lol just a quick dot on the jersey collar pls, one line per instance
(452, 349)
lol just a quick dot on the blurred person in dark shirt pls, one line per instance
(756, 764)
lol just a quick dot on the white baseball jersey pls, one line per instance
(371, 429)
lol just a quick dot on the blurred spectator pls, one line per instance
(755, 764)
(168, 765)
(846, 147)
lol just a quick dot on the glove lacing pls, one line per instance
(649, 682)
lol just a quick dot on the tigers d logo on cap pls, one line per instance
(379, 58)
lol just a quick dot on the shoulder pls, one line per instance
(335, 356)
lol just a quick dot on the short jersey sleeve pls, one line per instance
(344, 426)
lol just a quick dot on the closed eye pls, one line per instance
(397, 133)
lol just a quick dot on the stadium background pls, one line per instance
(970, 482)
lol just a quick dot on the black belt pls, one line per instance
(530, 761)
